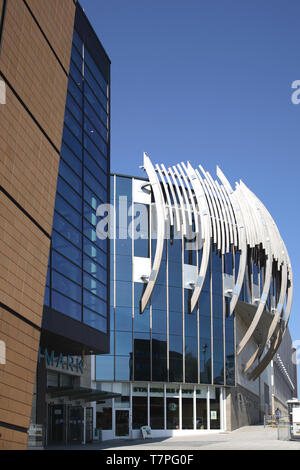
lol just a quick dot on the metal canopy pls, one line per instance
(81, 393)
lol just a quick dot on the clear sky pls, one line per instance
(209, 81)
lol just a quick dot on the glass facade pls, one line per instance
(166, 343)
(77, 281)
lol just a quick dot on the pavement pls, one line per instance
(245, 438)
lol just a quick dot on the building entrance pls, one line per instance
(122, 423)
(56, 421)
(75, 424)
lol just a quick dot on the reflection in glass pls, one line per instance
(157, 412)
(172, 413)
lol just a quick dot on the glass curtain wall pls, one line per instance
(77, 278)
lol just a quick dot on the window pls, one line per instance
(139, 412)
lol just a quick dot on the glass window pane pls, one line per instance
(96, 72)
(72, 142)
(63, 208)
(65, 286)
(96, 287)
(64, 305)
(73, 124)
(157, 412)
(61, 264)
(104, 367)
(94, 269)
(71, 159)
(95, 119)
(175, 358)
(91, 97)
(141, 356)
(94, 320)
(139, 412)
(159, 357)
(123, 343)
(75, 87)
(69, 232)
(201, 413)
(66, 248)
(123, 367)
(94, 303)
(172, 413)
(187, 413)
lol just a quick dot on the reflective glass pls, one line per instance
(123, 367)
(191, 359)
(95, 253)
(76, 56)
(187, 413)
(105, 367)
(142, 321)
(172, 413)
(94, 269)
(157, 412)
(159, 297)
(123, 268)
(72, 142)
(175, 274)
(96, 287)
(94, 320)
(63, 208)
(47, 297)
(215, 422)
(89, 77)
(95, 169)
(141, 356)
(98, 152)
(65, 286)
(73, 124)
(65, 305)
(141, 245)
(175, 299)
(159, 357)
(175, 251)
(95, 70)
(175, 323)
(94, 303)
(159, 321)
(61, 264)
(77, 40)
(95, 186)
(74, 108)
(92, 132)
(123, 342)
(66, 248)
(74, 87)
(123, 187)
(95, 119)
(123, 319)
(68, 231)
(91, 198)
(71, 159)
(139, 412)
(123, 294)
(91, 97)
(75, 73)
(175, 359)
(201, 413)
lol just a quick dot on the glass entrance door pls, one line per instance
(56, 424)
(122, 423)
(75, 424)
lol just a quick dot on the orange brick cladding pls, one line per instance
(31, 124)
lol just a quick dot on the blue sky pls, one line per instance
(209, 81)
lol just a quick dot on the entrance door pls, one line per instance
(122, 423)
(56, 424)
(75, 424)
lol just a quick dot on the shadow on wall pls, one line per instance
(244, 408)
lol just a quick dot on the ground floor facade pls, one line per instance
(168, 409)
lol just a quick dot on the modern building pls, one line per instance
(125, 301)
(55, 166)
(201, 290)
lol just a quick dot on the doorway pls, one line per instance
(122, 423)
(75, 424)
(57, 420)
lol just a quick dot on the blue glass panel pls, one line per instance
(141, 245)
(91, 198)
(159, 297)
(123, 343)
(123, 294)
(142, 356)
(66, 306)
(92, 132)
(123, 319)
(124, 187)
(159, 321)
(94, 303)
(104, 367)
(123, 247)
(74, 108)
(139, 288)
(217, 306)
(68, 193)
(175, 358)
(95, 70)
(48, 276)
(95, 253)
(159, 357)
(73, 124)
(191, 360)
(96, 170)
(69, 175)
(71, 159)
(95, 86)
(204, 303)
(175, 251)
(61, 264)
(91, 97)
(96, 120)
(67, 230)
(89, 231)
(65, 286)
(94, 269)
(217, 282)
(141, 321)
(216, 263)
(75, 89)
(94, 320)
(99, 153)
(90, 215)
(77, 40)
(175, 323)
(175, 299)
(95, 186)
(96, 287)
(67, 211)
(72, 142)
(175, 274)
(123, 268)
(76, 57)
(123, 367)
(66, 248)
(218, 373)
(76, 74)
(205, 360)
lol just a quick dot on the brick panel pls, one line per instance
(28, 164)
(56, 18)
(30, 66)
(12, 440)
